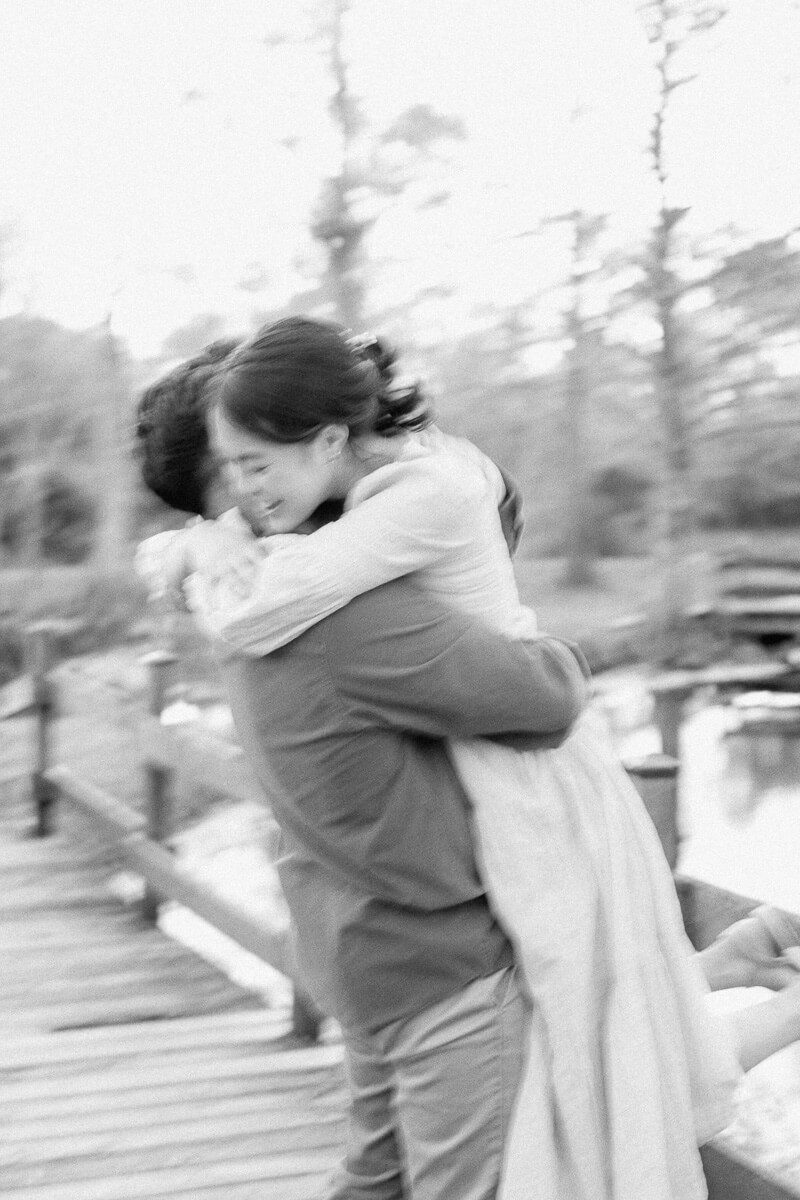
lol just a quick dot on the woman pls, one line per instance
(625, 1071)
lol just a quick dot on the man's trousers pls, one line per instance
(431, 1098)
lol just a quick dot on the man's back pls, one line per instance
(344, 727)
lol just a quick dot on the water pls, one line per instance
(740, 807)
(739, 823)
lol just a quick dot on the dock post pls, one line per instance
(655, 778)
(306, 1017)
(160, 665)
(39, 653)
(669, 704)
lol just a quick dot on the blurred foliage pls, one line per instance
(67, 488)
(740, 376)
(68, 519)
(11, 649)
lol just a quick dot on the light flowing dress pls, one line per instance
(627, 1069)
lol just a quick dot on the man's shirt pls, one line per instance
(345, 727)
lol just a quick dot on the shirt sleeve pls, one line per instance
(400, 518)
(405, 660)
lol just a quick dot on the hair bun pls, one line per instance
(401, 403)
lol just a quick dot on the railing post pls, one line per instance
(655, 778)
(160, 664)
(669, 706)
(306, 1017)
(39, 653)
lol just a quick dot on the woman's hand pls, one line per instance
(224, 551)
(161, 561)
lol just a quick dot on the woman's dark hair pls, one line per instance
(297, 375)
(172, 436)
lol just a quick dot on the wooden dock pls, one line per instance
(130, 1068)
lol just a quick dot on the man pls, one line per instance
(346, 727)
(395, 936)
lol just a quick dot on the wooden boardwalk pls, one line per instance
(131, 1069)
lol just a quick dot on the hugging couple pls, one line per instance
(477, 893)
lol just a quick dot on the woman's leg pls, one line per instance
(751, 953)
(762, 1029)
(759, 951)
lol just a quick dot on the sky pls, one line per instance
(157, 152)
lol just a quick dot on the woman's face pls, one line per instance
(280, 484)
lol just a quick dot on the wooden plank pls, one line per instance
(132, 1075)
(40, 898)
(267, 1103)
(251, 1026)
(60, 846)
(133, 1062)
(305, 1137)
(35, 856)
(735, 675)
(760, 578)
(776, 606)
(188, 1060)
(743, 561)
(36, 963)
(61, 930)
(156, 1004)
(133, 1072)
(69, 985)
(232, 1135)
(145, 1184)
(186, 1092)
(307, 1187)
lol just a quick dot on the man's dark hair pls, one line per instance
(174, 452)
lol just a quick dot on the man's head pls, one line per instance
(176, 459)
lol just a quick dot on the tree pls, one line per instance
(583, 334)
(49, 378)
(113, 454)
(64, 410)
(748, 424)
(670, 26)
(350, 202)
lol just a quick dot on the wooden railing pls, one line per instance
(139, 838)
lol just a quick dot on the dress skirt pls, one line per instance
(627, 1068)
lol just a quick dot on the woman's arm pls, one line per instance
(407, 515)
(231, 549)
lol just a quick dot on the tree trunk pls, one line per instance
(337, 227)
(580, 569)
(676, 518)
(113, 459)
